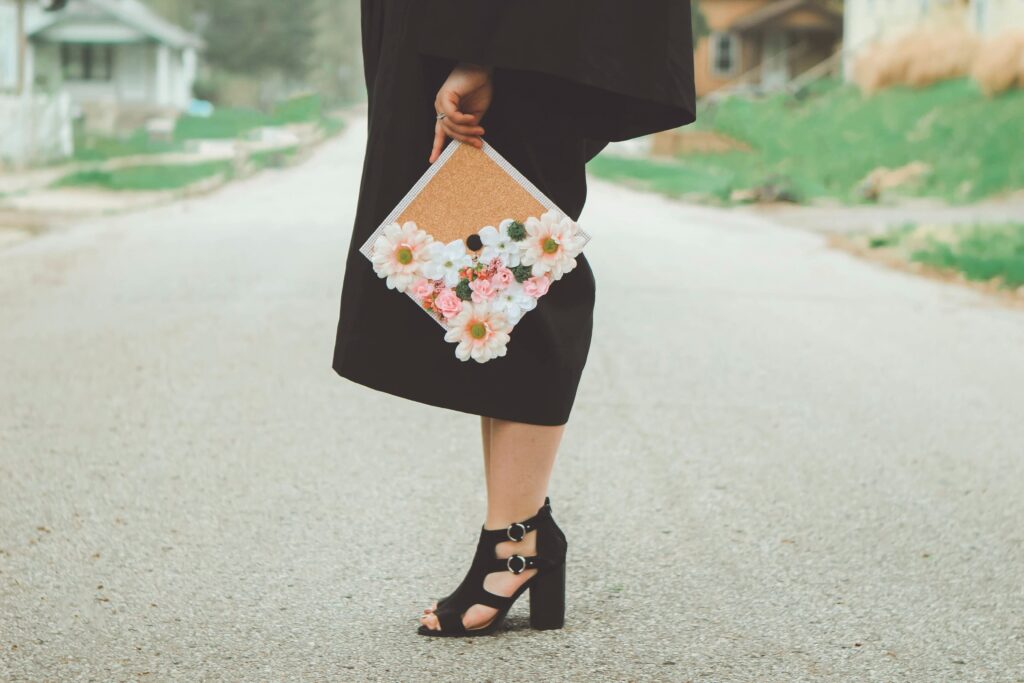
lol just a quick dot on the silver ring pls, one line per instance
(508, 532)
(441, 116)
(508, 563)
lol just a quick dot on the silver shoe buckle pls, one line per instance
(521, 569)
(521, 533)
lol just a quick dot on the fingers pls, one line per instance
(438, 142)
(456, 124)
(469, 136)
(447, 103)
(443, 130)
(453, 129)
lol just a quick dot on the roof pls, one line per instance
(131, 12)
(774, 11)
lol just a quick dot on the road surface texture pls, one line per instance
(785, 464)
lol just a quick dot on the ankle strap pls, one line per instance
(516, 531)
(517, 564)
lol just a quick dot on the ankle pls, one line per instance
(501, 519)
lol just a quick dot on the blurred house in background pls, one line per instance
(35, 126)
(871, 22)
(120, 62)
(762, 45)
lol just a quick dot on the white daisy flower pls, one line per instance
(552, 244)
(497, 244)
(481, 332)
(446, 260)
(514, 302)
(399, 254)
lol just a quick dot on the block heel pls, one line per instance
(547, 599)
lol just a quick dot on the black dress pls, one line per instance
(570, 75)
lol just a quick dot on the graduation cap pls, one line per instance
(476, 245)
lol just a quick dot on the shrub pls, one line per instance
(1000, 63)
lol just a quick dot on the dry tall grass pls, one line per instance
(934, 54)
(1000, 63)
(918, 59)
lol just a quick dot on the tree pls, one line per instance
(184, 13)
(336, 57)
(701, 28)
(260, 36)
(254, 37)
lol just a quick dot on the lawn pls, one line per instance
(225, 123)
(169, 177)
(981, 253)
(92, 147)
(236, 122)
(825, 142)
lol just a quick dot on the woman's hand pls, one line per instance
(463, 99)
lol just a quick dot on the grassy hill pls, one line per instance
(824, 143)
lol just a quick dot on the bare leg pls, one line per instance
(522, 457)
(485, 435)
(517, 466)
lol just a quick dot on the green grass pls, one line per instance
(824, 143)
(302, 109)
(227, 123)
(137, 178)
(223, 124)
(91, 147)
(701, 175)
(982, 253)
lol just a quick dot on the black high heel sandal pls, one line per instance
(547, 586)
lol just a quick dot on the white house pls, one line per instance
(870, 21)
(35, 126)
(116, 58)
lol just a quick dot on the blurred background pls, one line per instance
(110, 104)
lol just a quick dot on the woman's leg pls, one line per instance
(485, 435)
(518, 459)
(521, 458)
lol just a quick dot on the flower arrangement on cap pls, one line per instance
(479, 296)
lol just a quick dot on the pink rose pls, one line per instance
(448, 304)
(423, 289)
(483, 291)
(537, 286)
(502, 278)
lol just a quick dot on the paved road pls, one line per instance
(786, 465)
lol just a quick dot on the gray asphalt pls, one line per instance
(785, 464)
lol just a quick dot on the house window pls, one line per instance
(725, 53)
(85, 62)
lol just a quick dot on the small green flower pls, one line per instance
(516, 231)
(463, 291)
(522, 273)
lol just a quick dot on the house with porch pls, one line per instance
(762, 45)
(119, 61)
(35, 126)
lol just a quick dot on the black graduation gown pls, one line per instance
(570, 76)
